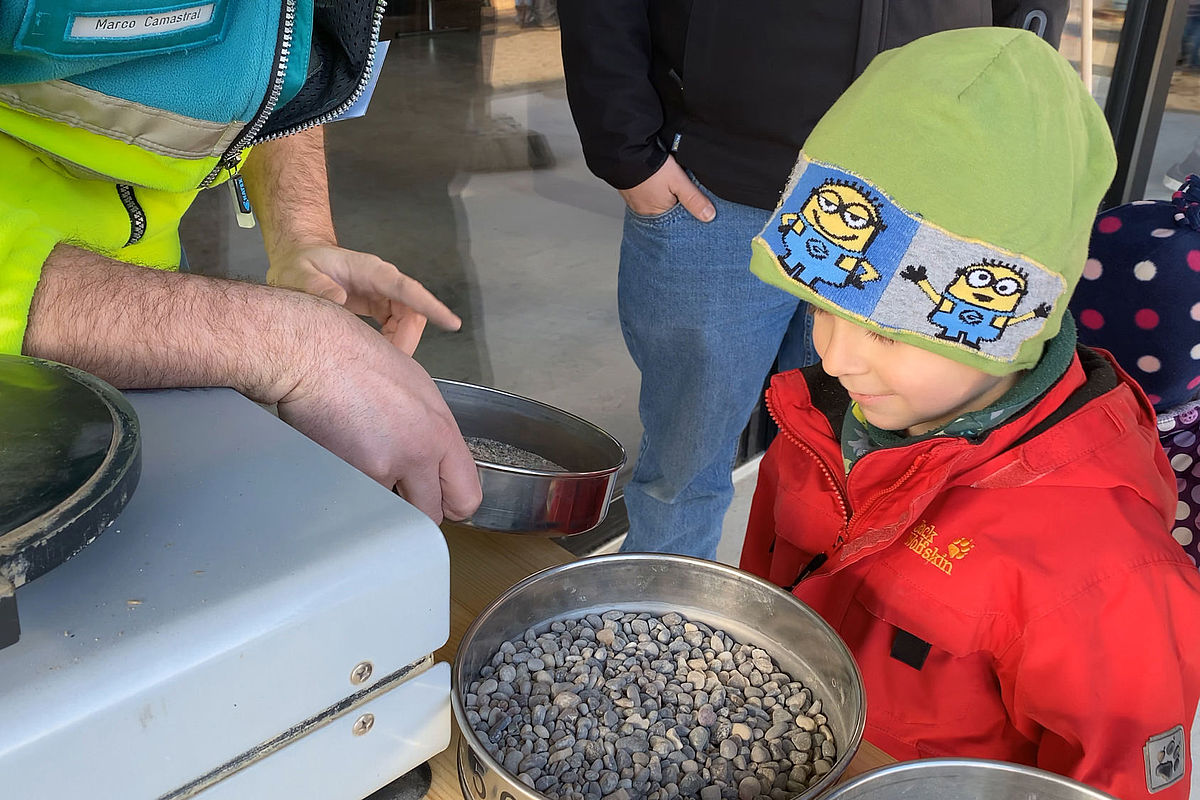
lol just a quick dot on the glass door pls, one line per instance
(1130, 53)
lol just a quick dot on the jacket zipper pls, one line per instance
(878, 497)
(248, 137)
(820, 558)
(282, 52)
(137, 215)
(843, 501)
(363, 81)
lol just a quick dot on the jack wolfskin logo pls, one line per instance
(1165, 759)
(920, 541)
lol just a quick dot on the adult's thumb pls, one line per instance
(695, 201)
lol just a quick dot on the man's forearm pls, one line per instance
(144, 328)
(289, 187)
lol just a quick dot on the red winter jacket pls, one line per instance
(1016, 596)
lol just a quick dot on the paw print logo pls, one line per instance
(1170, 759)
(1165, 756)
(1189, 416)
(959, 547)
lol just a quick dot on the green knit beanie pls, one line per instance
(946, 199)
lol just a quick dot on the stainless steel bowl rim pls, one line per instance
(927, 764)
(603, 434)
(457, 681)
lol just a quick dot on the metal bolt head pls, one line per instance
(361, 672)
(363, 724)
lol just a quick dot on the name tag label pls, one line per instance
(121, 26)
(87, 29)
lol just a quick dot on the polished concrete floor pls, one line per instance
(467, 173)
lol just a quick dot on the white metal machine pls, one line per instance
(258, 623)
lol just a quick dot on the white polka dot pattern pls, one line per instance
(1182, 445)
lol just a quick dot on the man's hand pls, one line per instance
(662, 190)
(366, 285)
(376, 408)
(288, 185)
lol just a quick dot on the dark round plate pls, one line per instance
(70, 457)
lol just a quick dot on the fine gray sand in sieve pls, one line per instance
(496, 452)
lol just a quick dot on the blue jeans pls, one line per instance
(704, 331)
(1191, 40)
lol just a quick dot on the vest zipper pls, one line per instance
(137, 215)
(283, 49)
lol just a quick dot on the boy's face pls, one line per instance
(900, 387)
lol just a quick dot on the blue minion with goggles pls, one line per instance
(828, 240)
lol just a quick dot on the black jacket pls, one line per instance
(733, 87)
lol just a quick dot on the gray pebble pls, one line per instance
(748, 788)
(608, 781)
(691, 784)
(566, 700)
(776, 731)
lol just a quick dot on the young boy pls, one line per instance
(979, 508)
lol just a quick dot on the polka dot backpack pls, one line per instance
(1140, 300)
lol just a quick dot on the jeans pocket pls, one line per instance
(657, 219)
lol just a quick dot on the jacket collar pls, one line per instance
(888, 489)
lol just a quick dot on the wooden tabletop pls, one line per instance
(482, 566)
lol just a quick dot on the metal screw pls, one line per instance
(363, 724)
(361, 672)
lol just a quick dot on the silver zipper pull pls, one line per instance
(242, 209)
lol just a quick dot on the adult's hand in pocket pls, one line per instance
(659, 193)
